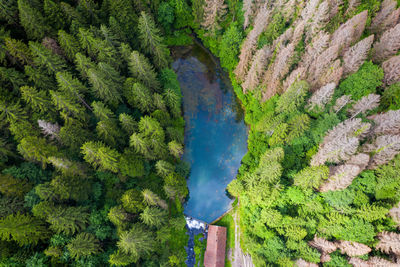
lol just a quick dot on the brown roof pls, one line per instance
(216, 244)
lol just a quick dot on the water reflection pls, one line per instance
(215, 134)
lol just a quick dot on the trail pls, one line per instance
(239, 258)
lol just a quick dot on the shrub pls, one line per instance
(363, 82)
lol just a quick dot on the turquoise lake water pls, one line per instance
(215, 133)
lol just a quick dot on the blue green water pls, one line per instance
(215, 133)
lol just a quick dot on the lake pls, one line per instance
(215, 132)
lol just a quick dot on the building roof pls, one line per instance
(216, 245)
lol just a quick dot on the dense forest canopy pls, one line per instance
(92, 129)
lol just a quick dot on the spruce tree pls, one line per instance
(54, 14)
(35, 99)
(9, 11)
(19, 51)
(45, 58)
(69, 44)
(141, 69)
(137, 242)
(32, 20)
(152, 42)
(83, 245)
(36, 149)
(68, 220)
(23, 229)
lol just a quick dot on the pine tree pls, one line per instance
(164, 168)
(54, 14)
(88, 42)
(293, 97)
(9, 11)
(386, 17)
(22, 229)
(45, 58)
(311, 177)
(72, 86)
(153, 217)
(388, 45)
(141, 69)
(49, 129)
(69, 44)
(341, 142)
(132, 201)
(13, 187)
(106, 83)
(32, 20)
(101, 156)
(68, 220)
(138, 96)
(40, 78)
(356, 55)
(83, 245)
(11, 112)
(152, 199)
(83, 64)
(67, 105)
(128, 123)
(118, 216)
(36, 149)
(19, 51)
(213, 14)
(35, 99)
(389, 242)
(391, 69)
(175, 149)
(173, 101)
(152, 42)
(137, 242)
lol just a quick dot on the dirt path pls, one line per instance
(239, 258)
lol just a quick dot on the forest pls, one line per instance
(92, 131)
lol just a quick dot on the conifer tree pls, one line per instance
(72, 86)
(101, 156)
(54, 14)
(40, 78)
(141, 69)
(69, 44)
(13, 187)
(9, 11)
(139, 96)
(83, 64)
(137, 242)
(45, 58)
(152, 199)
(153, 217)
(128, 123)
(67, 105)
(32, 20)
(106, 83)
(214, 10)
(68, 220)
(175, 149)
(132, 201)
(19, 51)
(11, 112)
(83, 245)
(36, 149)
(34, 98)
(23, 229)
(152, 42)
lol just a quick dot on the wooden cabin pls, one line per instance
(216, 245)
